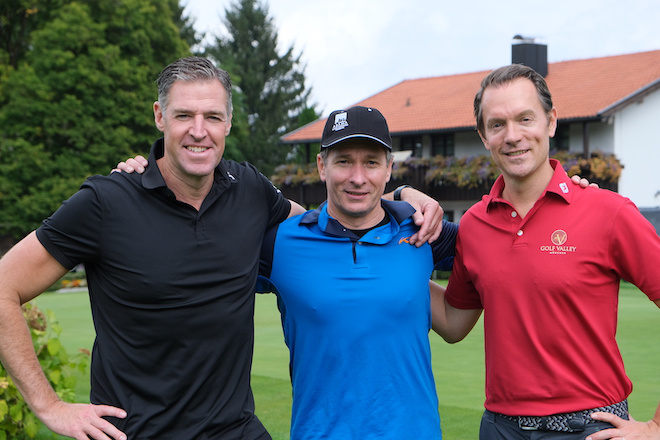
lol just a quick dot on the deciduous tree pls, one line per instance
(79, 100)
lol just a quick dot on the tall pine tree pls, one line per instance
(272, 92)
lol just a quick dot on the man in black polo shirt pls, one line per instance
(171, 259)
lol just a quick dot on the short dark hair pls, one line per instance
(191, 69)
(507, 74)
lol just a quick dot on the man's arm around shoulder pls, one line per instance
(25, 272)
(449, 322)
(296, 209)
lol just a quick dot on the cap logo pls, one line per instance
(340, 122)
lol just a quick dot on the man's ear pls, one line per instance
(389, 169)
(483, 140)
(228, 128)
(158, 116)
(552, 122)
(320, 165)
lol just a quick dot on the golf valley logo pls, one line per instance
(558, 239)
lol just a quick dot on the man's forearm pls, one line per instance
(397, 194)
(19, 359)
(25, 271)
(450, 323)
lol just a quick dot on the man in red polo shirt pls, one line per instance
(543, 259)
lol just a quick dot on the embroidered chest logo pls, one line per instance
(559, 237)
(559, 246)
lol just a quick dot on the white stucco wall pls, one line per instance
(458, 207)
(637, 145)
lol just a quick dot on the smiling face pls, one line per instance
(355, 173)
(517, 130)
(194, 125)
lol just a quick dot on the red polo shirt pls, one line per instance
(549, 286)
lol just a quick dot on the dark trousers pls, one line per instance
(494, 427)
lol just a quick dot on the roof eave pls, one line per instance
(300, 141)
(433, 131)
(636, 96)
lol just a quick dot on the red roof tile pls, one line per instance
(580, 89)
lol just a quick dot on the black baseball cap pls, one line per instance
(356, 122)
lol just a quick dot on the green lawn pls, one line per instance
(458, 368)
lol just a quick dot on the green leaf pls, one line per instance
(50, 316)
(54, 376)
(70, 380)
(54, 346)
(16, 412)
(63, 356)
(31, 425)
(4, 409)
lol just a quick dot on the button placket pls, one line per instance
(517, 223)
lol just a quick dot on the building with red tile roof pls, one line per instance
(608, 104)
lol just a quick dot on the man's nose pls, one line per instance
(512, 133)
(358, 174)
(198, 128)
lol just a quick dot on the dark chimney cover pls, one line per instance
(526, 51)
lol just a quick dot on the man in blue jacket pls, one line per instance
(354, 295)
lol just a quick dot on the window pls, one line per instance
(412, 143)
(442, 144)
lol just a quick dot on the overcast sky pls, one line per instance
(356, 48)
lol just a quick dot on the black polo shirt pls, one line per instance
(171, 292)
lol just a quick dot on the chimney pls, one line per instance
(527, 51)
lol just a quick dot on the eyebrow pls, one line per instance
(370, 156)
(517, 116)
(210, 112)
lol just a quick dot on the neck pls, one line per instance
(361, 232)
(187, 189)
(367, 221)
(523, 193)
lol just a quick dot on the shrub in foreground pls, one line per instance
(17, 422)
